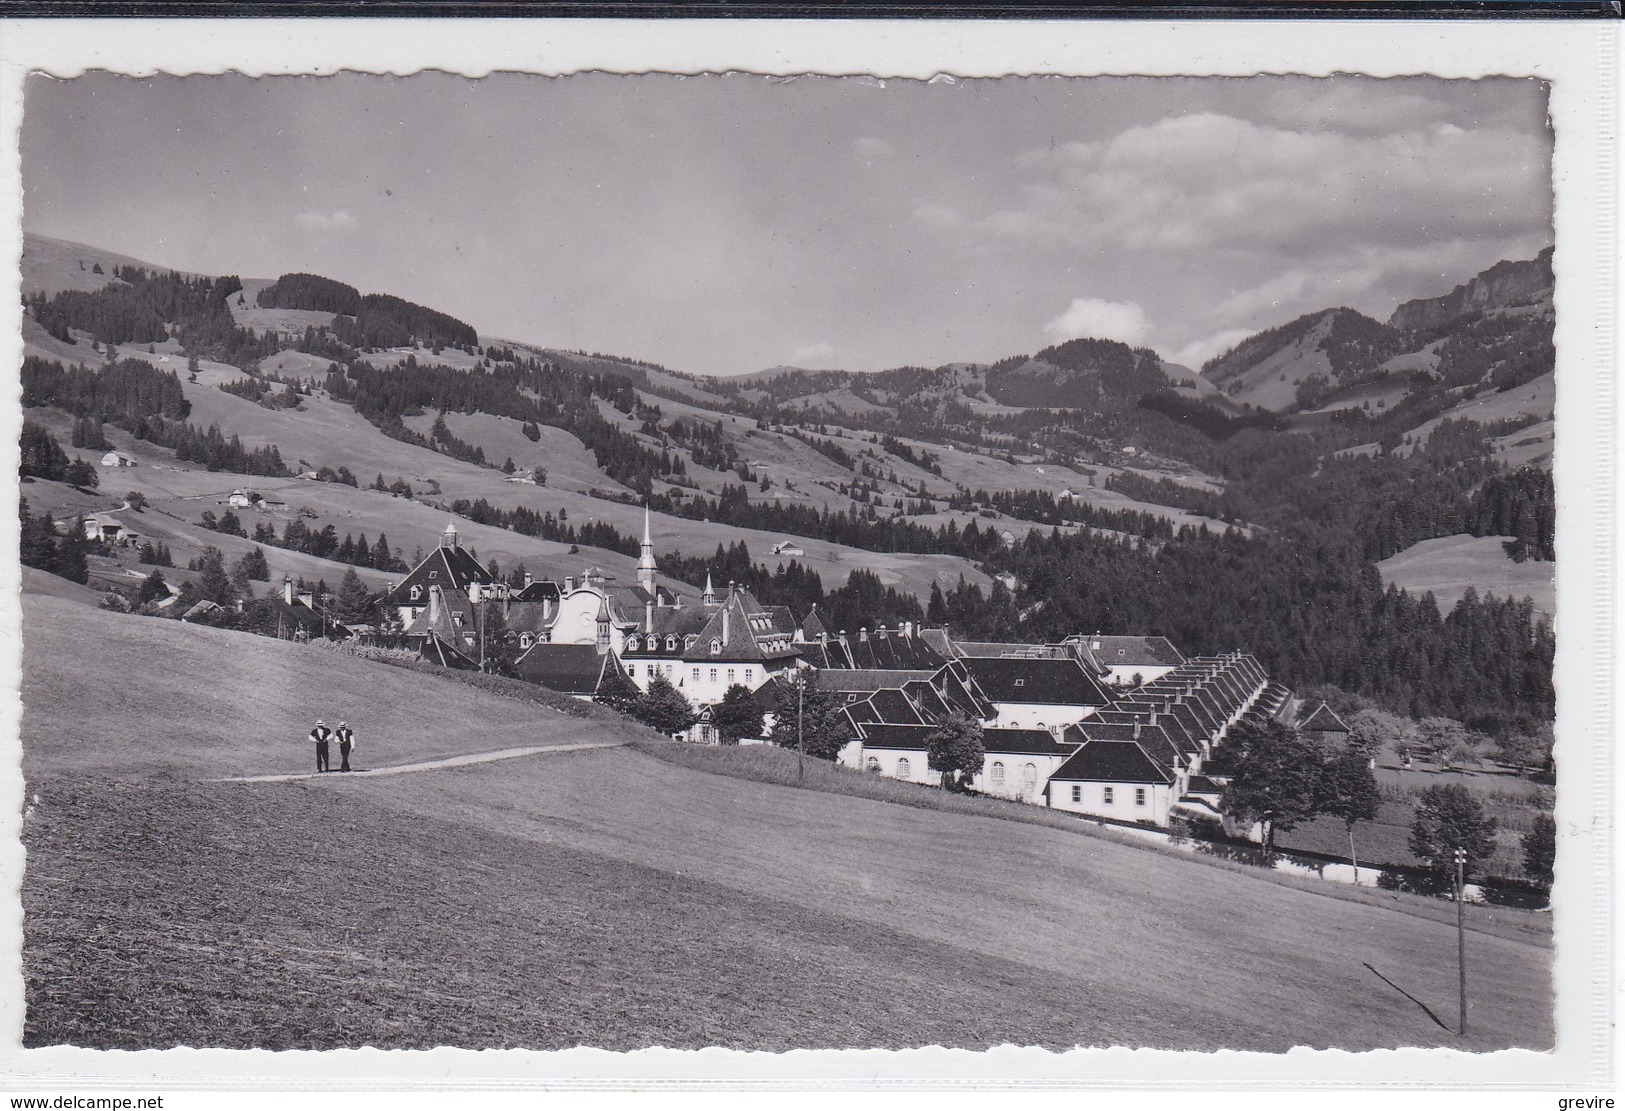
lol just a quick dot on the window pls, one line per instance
(1077, 792)
(730, 676)
(996, 773)
(750, 675)
(902, 767)
(1021, 682)
(696, 675)
(434, 574)
(871, 765)
(653, 642)
(716, 647)
(713, 675)
(671, 644)
(1029, 776)
(1139, 796)
(631, 644)
(1106, 795)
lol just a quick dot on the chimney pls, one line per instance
(880, 629)
(528, 578)
(287, 590)
(1136, 731)
(727, 612)
(569, 584)
(649, 615)
(907, 628)
(863, 633)
(823, 636)
(434, 605)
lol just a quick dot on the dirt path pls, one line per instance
(429, 765)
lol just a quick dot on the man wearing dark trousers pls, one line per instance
(320, 734)
(346, 738)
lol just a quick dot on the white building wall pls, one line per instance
(1122, 675)
(919, 771)
(1018, 783)
(1038, 715)
(1159, 800)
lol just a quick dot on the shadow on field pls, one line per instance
(1428, 1010)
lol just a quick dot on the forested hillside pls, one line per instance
(1117, 497)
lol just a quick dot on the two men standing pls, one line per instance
(322, 735)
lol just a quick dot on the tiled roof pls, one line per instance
(1026, 742)
(1111, 762)
(1323, 721)
(1117, 651)
(1048, 681)
(566, 668)
(905, 737)
(865, 679)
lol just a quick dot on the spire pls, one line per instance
(710, 595)
(646, 561)
(448, 539)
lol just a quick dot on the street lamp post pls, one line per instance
(1461, 936)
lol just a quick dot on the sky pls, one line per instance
(727, 224)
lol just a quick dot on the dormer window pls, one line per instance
(434, 574)
(631, 644)
(716, 646)
(653, 642)
(671, 644)
(1021, 682)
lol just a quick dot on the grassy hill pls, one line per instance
(1448, 565)
(610, 898)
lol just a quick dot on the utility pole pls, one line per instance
(1461, 935)
(801, 733)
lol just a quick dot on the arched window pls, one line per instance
(902, 767)
(997, 773)
(872, 764)
(1029, 776)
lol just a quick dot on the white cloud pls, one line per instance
(1206, 181)
(871, 147)
(1098, 319)
(813, 356)
(1197, 352)
(934, 215)
(337, 220)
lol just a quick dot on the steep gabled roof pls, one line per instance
(1323, 721)
(566, 668)
(855, 679)
(1111, 762)
(745, 630)
(446, 567)
(539, 590)
(1061, 682)
(892, 650)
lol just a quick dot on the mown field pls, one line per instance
(611, 898)
(1448, 565)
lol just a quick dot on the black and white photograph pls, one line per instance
(821, 561)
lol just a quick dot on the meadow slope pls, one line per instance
(607, 897)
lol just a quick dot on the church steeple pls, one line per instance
(646, 561)
(710, 596)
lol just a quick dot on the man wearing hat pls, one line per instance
(346, 744)
(320, 734)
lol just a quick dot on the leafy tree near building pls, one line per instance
(824, 727)
(1276, 782)
(663, 708)
(738, 715)
(954, 749)
(1450, 817)
(1348, 789)
(1540, 850)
